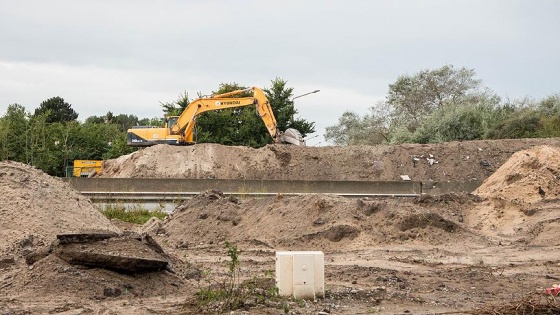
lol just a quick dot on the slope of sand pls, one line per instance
(35, 207)
(454, 161)
(521, 195)
(318, 222)
(529, 175)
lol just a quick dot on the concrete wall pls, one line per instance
(243, 186)
(132, 185)
(438, 188)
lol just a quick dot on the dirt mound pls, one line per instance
(312, 222)
(544, 232)
(454, 161)
(427, 219)
(35, 207)
(529, 175)
(56, 278)
(518, 194)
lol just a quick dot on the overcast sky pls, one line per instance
(128, 56)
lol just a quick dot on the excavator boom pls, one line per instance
(180, 130)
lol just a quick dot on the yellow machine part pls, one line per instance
(83, 168)
(144, 136)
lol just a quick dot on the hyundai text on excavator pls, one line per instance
(179, 130)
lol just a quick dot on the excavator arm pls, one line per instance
(180, 130)
(186, 121)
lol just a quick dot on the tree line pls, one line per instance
(446, 104)
(51, 137)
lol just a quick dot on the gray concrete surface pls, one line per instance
(166, 194)
(132, 185)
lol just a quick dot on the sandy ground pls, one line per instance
(453, 253)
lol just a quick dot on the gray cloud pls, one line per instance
(126, 56)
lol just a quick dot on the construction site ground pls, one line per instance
(454, 253)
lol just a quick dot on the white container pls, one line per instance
(300, 274)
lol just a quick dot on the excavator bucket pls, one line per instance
(291, 136)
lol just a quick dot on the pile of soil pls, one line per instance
(521, 196)
(314, 222)
(454, 161)
(529, 175)
(35, 207)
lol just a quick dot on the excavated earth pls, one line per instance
(455, 253)
(454, 161)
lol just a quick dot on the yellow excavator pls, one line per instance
(179, 130)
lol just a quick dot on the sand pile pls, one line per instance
(199, 161)
(35, 207)
(519, 195)
(454, 161)
(312, 222)
(529, 175)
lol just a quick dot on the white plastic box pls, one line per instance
(300, 274)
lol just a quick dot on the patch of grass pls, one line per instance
(136, 215)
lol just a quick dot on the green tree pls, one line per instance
(38, 139)
(125, 122)
(527, 118)
(222, 126)
(549, 108)
(52, 146)
(414, 97)
(57, 110)
(4, 136)
(14, 128)
(521, 118)
(176, 107)
(154, 121)
(455, 123)
(118, 147)
(353, 129)
(95, 120)
(280, 98)
(432, 105)
(243, 126)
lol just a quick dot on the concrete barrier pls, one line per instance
(166, 194)
(438, 188)
(236, 186)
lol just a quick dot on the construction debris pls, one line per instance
(125, 253)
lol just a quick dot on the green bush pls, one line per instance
(549, 127)
(455, 123)
(523, 124)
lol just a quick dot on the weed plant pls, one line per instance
(230, 293)
(135, 215)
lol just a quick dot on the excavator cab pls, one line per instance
(170, 121)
